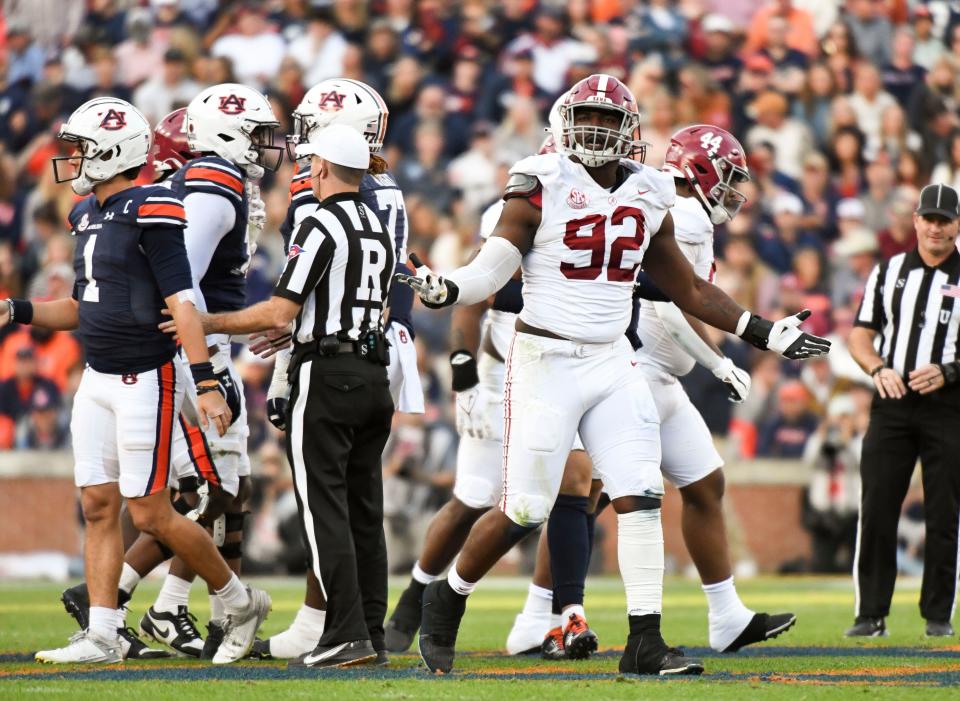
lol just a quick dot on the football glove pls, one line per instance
(473, 413)
(433, 290)
(736, 380)
(278, 393)
(228, 388)
(785, 337)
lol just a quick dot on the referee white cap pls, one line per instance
(338, 144)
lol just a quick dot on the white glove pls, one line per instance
(279, 392)
(473, 413)
(737, 380)
(430, 287)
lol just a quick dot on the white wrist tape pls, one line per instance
(494, 265)
(742, 323)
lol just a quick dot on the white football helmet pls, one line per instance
(236, 123)
(111, 135)
(340, 101)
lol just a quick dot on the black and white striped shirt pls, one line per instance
(339, 267)
(915, 309)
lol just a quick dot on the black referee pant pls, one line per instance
(340, 414)
(901, 430)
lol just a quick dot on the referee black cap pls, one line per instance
(939, 199)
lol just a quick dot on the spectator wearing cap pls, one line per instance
(719, 54)
(902, 74)
(554, 52)
(927, 47)
(320, 49)
(254, 49)
(44, 427)
(801, 37)
(850, 214)
(24, 56)
(871, 29)
(909, 306)
(139, 54)
(785, 433)
(854, 255)
(756, 78)
(790, 137)
(17, 392)
(168, 89)
(777, 244)
(57, 355)
(819, 197)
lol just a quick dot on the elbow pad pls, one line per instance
(492, 268)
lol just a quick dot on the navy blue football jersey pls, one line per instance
(224, 285)
(381, 194)
(129, 256)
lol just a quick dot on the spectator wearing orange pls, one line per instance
(55, 353)
(802, 37)
(17, 394)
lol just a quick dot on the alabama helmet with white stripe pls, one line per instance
(111, 135)
(236, 123)
(340, 101)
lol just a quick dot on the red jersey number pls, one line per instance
(590, 234)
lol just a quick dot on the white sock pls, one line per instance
(539, 601)
(308, 623)
(570, 612)
(216, 608)
(640, 552)
(458, 583)
(104, 622)
(727, 614)
(174, 593)
(556, 621)
(129, 578)
(420, 576)
(234, 595)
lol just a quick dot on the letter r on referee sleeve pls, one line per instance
(309, 257)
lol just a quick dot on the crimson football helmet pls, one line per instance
(712, 161)
(170, 150)
(594, 145)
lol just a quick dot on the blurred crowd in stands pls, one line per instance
(846, 108)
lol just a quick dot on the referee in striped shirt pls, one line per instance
(335, 284)
(907, 336)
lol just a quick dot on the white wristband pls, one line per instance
(742, 323)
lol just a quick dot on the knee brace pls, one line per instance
(233, 523)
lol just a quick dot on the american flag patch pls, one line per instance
(950, 290)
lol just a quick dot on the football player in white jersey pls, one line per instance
(570, 366)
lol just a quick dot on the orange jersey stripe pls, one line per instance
(298, 186)
(161, 471)
(201, 456)
(217, 176)
(162, 210)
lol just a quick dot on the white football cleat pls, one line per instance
(84, 647)
(527, 633)
(287, 645)
(240, 630)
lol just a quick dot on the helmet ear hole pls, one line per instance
(700, 169)
(225, 137)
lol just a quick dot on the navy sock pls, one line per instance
(591, 525)
(569, 542)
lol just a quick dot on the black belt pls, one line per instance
(326, 347)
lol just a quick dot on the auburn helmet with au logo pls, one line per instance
(111, 136)
(712, 161)
(340, 101)
(236, 123)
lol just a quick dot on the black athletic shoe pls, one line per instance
(405, 620)
(358, 652)
(648, 654)
(762, 627)
(76, 600)
(866, 627)
(442, 610)
(939, 629)
(552, 646)
(212, 642)
(260, 650)
(176, 630)
(579, 641)
(383, 660)
(133, 648)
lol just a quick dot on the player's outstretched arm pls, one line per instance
(671, 271)
(59, 314)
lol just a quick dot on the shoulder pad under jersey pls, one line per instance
(521, 185)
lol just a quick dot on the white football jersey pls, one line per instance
(578, 277)
(499, 325)
(694, 233)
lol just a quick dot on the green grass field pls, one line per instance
(812, 661)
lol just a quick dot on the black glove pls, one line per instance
(230, 392)
(785, 337)
(277, 412)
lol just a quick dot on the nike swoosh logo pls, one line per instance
(311, 659)
(634, 363)
(160, 631)
(642, 192)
